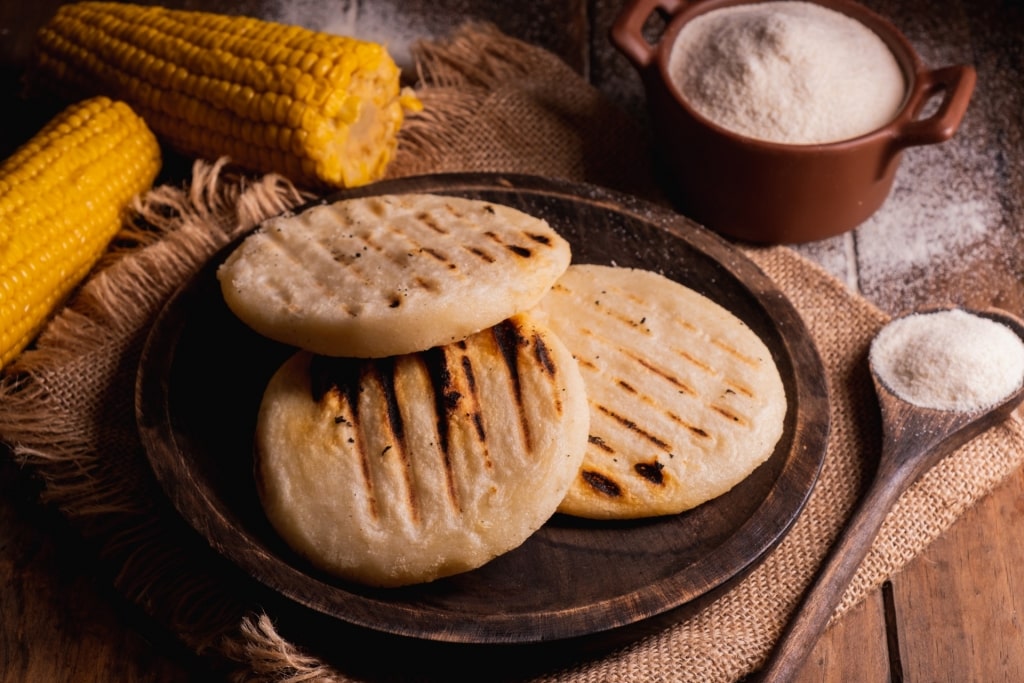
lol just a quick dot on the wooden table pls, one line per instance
(950, 233)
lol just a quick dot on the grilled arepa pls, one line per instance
(685, 400)
(387, 275)
(406, 469)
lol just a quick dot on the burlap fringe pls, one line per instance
(265, 656)
(171, 234)
(118, 297)
(455, 78)
(173, 231)
(477, 55)
(479, 86)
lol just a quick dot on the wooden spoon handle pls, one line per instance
(822, 597)
(913, 440)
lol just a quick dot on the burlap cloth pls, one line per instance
(493, 104)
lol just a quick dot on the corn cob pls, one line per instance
(62, 199)
(321, 109)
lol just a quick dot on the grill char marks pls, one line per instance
(480, 253)
(454, 384)
(385, 372)
(651, 471)
(511, 340)
(446, 396)
(682, 386)
(633, 427)
(429, 221)
(439, 257)
(447, 400)
(478, 418)
(540, 350)
(377, 207)
(523, 251)
(684, 399)
(407, 468)
(336, 374)
(732, 351)
(543, 355)
(341, 378)
(509, 337)
(347, 378)
(428, 285)
(673, 379)
(383, 276)
(600, 483)
(730, 415)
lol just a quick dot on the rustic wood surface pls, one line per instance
(915, 439)
(950, 233)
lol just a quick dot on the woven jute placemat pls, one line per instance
(492, 104)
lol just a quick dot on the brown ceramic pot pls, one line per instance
(782, 193)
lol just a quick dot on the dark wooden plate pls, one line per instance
(202, 374)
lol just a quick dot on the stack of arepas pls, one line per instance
(457, 382)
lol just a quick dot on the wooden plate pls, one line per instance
(202, 375)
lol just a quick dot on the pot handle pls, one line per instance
(957, 84)
(627, 30)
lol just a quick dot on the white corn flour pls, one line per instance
(949, 360)
(790, 72)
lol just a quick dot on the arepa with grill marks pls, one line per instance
(406, 469)
(685, 399)
(386, 275)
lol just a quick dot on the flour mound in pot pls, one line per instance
(788, 72)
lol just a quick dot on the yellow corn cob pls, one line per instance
(62, 199)
(320, 109)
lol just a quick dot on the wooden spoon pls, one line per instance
(913, 440)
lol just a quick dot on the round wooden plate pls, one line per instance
(202, 374)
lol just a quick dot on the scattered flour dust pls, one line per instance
(379, 21)
(924, 230)
(949, 231)
(944, 218)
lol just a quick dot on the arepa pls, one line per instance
(685, 398)
(386, 275)
(403, 470)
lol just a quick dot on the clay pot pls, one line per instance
(769, 192)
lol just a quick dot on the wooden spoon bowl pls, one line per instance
(914, 439)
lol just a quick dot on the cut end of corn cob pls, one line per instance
(63, 196)
(318, 108)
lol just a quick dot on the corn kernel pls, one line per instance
(62, 196)
(182, 70)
